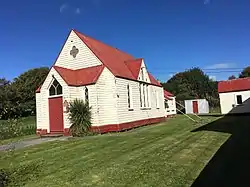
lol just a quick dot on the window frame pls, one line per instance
(55, 87)
(236, 98)
(86, 99)
(129, 97)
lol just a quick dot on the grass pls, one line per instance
(167, 154)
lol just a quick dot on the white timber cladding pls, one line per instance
(38, 110)
(170, 106)
(228, 102)
(43, 110)
(107, 98)
(143, 74)
(138, 112)
(203, 106)
(79, 93)
(83, 59)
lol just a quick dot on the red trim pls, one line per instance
(126, 126)
(111, 127)
(66, 132)
(40, 132)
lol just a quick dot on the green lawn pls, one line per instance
(167, 154)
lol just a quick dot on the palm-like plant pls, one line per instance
(80, 117)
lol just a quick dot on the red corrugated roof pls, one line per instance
(134, 66)
(118, 62)
(153, 80)
(167, 94)
(234, 85)
(80, 77)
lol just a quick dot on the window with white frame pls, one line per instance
(239, 99)
(86, 95)
(129, 92)
(157, 100)
(140, 90)
(148, 96)
(55, 88)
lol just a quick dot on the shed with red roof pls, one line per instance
(234, 95)
(118, 87)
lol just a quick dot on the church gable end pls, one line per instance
(76, 55)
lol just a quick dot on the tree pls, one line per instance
(231, 77)
(80, 117)
(245, 72)
(25, 86)
(192, 84)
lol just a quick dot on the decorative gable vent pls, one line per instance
(74, 51)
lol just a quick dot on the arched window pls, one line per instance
(86, 95)
(55, 88)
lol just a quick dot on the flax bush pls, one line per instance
(80, 118)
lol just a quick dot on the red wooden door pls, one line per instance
(195, 107)
(56, 114)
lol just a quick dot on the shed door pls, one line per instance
(56, 114)
(195, 107)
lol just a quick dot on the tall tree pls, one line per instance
(25, 86)
(231, 77)
(191, 84)
(245, 72)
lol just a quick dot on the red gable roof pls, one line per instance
(112, 58)
(167, 94)
(153, 80)
(234, 85)
(118, 62)
(80, 77)
(134, 66)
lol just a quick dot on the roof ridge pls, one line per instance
(84, 35)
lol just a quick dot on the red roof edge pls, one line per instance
(235, 85)
(38, 90)
(168, 94)
(153, 80)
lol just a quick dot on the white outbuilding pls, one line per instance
(197, 106)
(170, 103)
(234, 96)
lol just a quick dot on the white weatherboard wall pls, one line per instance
(106, 98)
(172, 106)
(85, 57)
(227, 100)
(42, 100)
(126, 115)
(203, 106)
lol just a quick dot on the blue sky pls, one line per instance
(172, 35)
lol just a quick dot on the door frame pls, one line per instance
(195, 107)
(53, 97)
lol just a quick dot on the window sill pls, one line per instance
(145, 108)
(158, 108)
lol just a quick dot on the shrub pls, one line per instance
(80, 118)
(20, 174)
(14, 128)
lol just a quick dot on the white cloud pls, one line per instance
(206, 2)
(212, 77)
(171, 75)
(63, 7)
(78, 11)
(221, 66)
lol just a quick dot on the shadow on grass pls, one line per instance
(231, 163)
